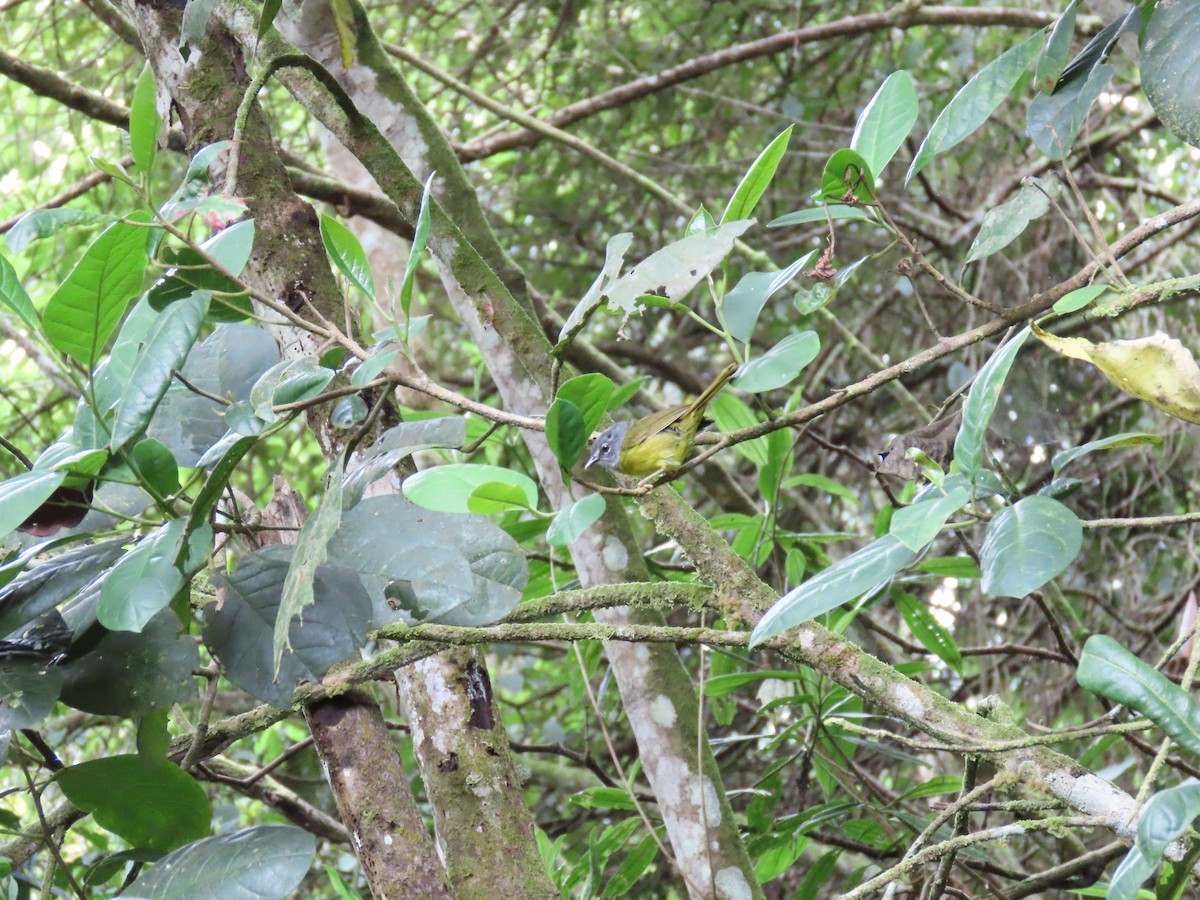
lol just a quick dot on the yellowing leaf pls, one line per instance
(343, 18)
(1157, 369)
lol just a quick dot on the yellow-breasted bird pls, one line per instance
(658, 443)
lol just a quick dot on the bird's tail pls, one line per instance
(715, 388)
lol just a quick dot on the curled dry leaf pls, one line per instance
(1157, 369)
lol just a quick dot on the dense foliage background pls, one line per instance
(269, 268)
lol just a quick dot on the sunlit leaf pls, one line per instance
(347, 254)
(757, 179)
(886, 121)
(144, 121)
(83, 313)
(449, 488)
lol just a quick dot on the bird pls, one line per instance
(658, 443)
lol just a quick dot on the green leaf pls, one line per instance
(934, 787)
(832, 212)
(155, 466)
(566, 432)
(1129, 876)
(731, 413)
(1004, 224)
(312, 549)
(1126, 439)
(757, 179)
(851, 577)
(1028, 544)
(381, 357)
(156, 806)
(776, 858)
(448, 488)
(82, 314)
(240, 632)
(1108, 669)
(724, 685)
(933, 637)
(231, 246)
(347, 254)
(22, 495)
(395, 444)
(28, 692)
(39, 589)
(218, 480)
(144, 121)
(742, 305)
(348, 412)
(847, 178)
(226, 364)
(428, 566)
(114, 171)
(195, 21)
(981, 403)
(700, 222)
(634, 866)
(592, 394)
(264, 863)
(164, 352)
(886, 121)
(824, 483)
(43, 223)
(574, 519)
(12, 295)
(1079, 298)
(961, 567)
(267, 17)
(603, 798)
(230, 249)
(1054, 120)
(290, 381)
(132, 674)
(144, 580)
(817, 878)
(495, 496)
(1058, 48)
(1169, 66)
(779, 365)
(420, 236)
(622, 394)
(675, 269)
(917, 525)
(1166, 816)
(975, 102)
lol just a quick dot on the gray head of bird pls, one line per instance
(606, 451)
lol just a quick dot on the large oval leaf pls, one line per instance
(1170, 67)
(427, 566)
(263, 863)
(1027, 544)
(154, 805)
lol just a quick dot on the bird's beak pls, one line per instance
(592, 460)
